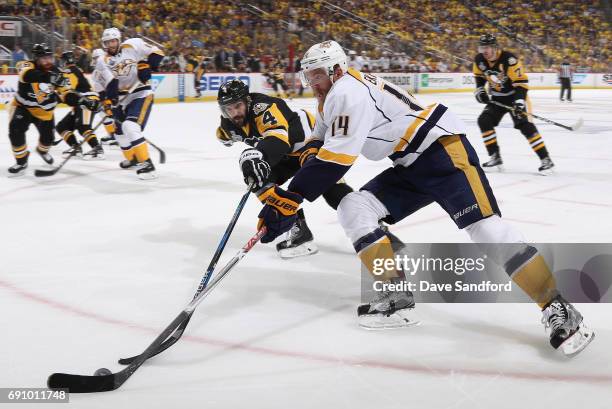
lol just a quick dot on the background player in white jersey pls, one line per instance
(130, 63)
(98, 85)
(360, 114)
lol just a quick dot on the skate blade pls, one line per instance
(546, 172)
(399, 319)
(147, 176)
(93, 158)
(578, 341)
(492, 169)
(16, 175)
(305, 249)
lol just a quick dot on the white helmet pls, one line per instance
(324, 55)
(112, 33)
(95, 55)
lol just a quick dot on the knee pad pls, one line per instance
(494, 229)
(485, 123)
(359, 213)
(123, 140)
(132, 130)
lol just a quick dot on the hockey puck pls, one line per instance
(102, 372)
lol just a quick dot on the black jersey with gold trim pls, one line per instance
(34, 91)
(79, 86)
(272, 127)
(505, 75)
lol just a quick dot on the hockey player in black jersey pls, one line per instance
(279, 144)
(34, 103)
(85, 103)
(507, 84)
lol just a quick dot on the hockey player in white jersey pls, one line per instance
(126, 70)
(99, 86)
(433, 161)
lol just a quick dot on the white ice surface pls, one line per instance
(94, 263)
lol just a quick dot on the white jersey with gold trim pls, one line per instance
(364, 114)
(124, 67)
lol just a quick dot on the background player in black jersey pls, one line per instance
(276, 78)
(85, 103)
(279, 144)
(508, 84)
(34, 102)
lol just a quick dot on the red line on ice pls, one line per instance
(439, 371)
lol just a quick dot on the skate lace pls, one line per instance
(554, 316)
(294, 232)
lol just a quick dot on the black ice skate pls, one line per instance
(495, 160)
(96, 153)
(74, 150)
(546, 167)
(45, 156)
(300, 241)
(109, 140)
(565, 327)
(17, 170)
(128, 164)
(146, 170)
(388, 310)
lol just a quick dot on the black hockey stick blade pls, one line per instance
(162, 154)
(105, 383)
(46, 172)
(82, 383)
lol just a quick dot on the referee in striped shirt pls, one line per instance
(565, 77)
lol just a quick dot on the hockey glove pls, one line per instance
(254, 168)
(518, 109)
(481, 95)
(279, 213)
(310, 150)
(144, 72)
(90, 103)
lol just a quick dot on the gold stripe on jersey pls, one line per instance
(311, 119)
(477, 71)
(458, 155)
(410, 132)
(145, 109)
(277, 133)
(338, 158)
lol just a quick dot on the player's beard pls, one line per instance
(238, 120)
(46, 67)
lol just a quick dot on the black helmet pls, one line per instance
(41, 50)
(232, 91)
(487, 39)
(67, 58)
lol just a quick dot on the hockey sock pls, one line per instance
(538, 146)
(376, 254)
(69, 138)
(490, 141)
(529, 271)
(21, 153)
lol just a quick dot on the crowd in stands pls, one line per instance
(380, 35)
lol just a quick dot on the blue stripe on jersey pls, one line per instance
(316, 177)
(425, 128)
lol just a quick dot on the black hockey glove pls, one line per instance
(254, 168)
(481, 95)
(90, 103)
(519, 109)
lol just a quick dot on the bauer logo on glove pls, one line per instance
(279, 212)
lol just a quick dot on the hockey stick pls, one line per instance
(104, 383)
(162, 154)
(203, 282)
(574, 127)
(51, 172)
